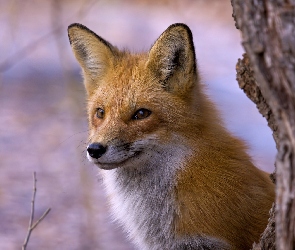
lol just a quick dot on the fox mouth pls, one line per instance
(108, 165)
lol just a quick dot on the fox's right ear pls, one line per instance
(93, 53)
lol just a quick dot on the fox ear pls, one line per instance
(93, 53)
(172, 59)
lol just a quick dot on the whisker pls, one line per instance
(71, 136)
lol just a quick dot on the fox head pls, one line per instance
(141, 104)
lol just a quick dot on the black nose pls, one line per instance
(96, 150)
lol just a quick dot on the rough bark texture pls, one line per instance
(268, 32)
(267, 240)
(247, 82)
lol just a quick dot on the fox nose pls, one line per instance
(96, 150)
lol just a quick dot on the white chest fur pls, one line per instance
(142, 199)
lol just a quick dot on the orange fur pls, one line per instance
(217, 197)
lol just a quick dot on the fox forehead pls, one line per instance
(126, 84)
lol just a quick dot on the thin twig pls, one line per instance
(32, 213)
(41, 218)
(31, 225)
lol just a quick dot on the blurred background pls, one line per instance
(43, 124)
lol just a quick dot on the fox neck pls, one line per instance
(142, 197)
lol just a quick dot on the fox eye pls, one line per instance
(141, 114)
(100, 113)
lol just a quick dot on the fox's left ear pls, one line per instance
(172, 59)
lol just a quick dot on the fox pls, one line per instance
(175, 177)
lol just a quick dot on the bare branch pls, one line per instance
(32, 213)
(31, 225)
(41, 218)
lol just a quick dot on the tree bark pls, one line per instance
(247, 82)
(268, 34)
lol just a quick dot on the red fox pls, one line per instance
(176, 178)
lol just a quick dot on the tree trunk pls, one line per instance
(248, 84)
(268, 33)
